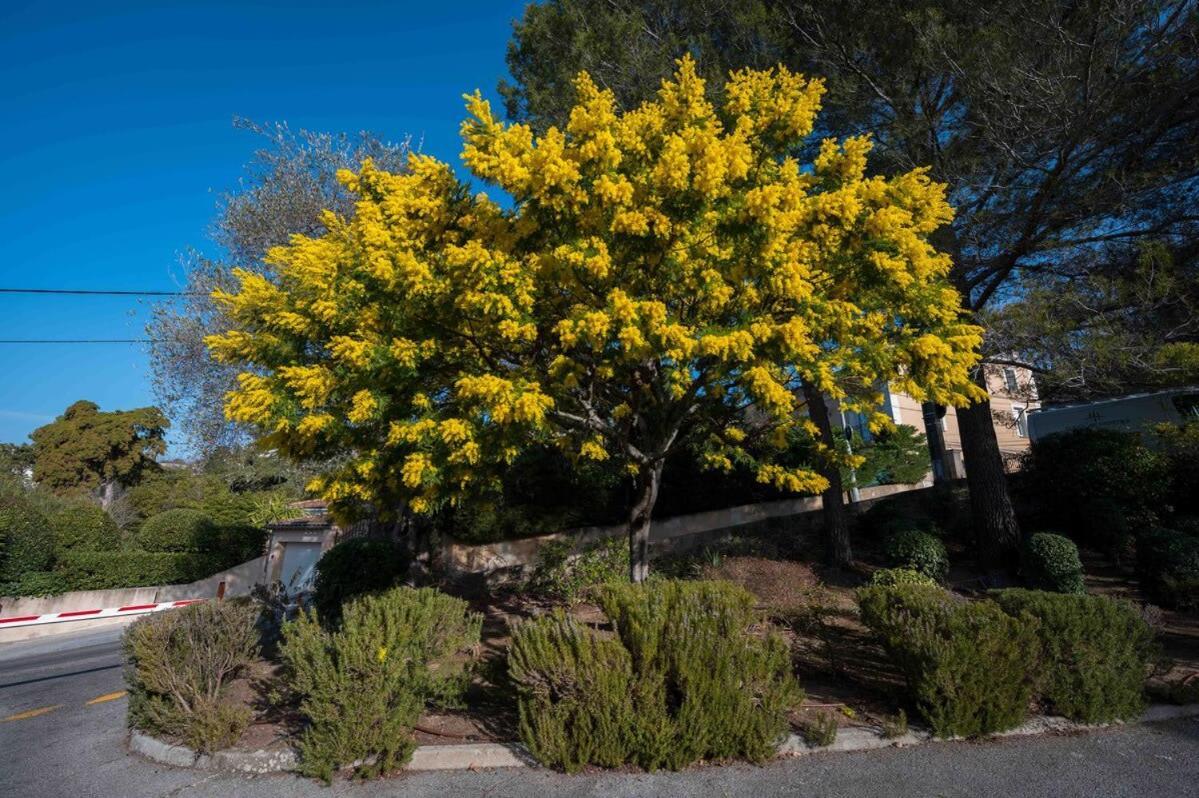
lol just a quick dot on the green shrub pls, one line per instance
(175, 530)
(1096, 485)
(28, 542)
(80, 526)
(1095, 653)
(362, 687)
(98, 570)
(969, 666)
(1168, 563)
(181, 662)
(234, 544)
(574, 694)
(1179, 446)
(560, 572)
(889, 577)
(1051, 562)
(37, 583)
(919, 551)
(353, 568)
(684, 681)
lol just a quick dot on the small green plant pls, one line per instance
(821, 731)
(180, 664)
(684, 680)
(564, 574)
(1095, 653)
(1051, 562)
(918, 551)
(362, 687)
(352, 568)
(889, 577)
(895, 725)
(969, 666)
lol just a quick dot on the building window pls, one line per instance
(1009, 380)
(1020, 415)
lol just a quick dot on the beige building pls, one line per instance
(1013, 394)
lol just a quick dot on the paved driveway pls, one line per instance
(62, 734)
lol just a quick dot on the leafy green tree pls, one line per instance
(1059, 126)
(1131, 325)
(16, 461)
(288, 183)
(86, 450)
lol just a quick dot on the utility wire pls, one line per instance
(86, 292)
(77, 340)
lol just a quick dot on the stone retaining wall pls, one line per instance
(504, 560)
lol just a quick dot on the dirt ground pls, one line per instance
(847, 677)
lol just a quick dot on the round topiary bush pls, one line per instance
(919, 551)
(176, 530)
(353, 568)
(1051, 563)
(28, 542)
(79, 526)
(890, 577)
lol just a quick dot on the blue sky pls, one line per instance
(118, 138)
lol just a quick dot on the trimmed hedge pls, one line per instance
(970, 667)
(1051, 562)
(919, 551)
(363, 687)
(83, 527)
(1095, 653)
(28, 542)
(354, 568)
(175, 530)
(98, 570)
(684, 681)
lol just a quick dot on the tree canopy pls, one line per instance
(1059, 127)
(666, 276)
(88, 450)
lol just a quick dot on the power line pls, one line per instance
(77, 340)
(87, 292)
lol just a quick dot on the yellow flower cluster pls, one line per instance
(659, 271)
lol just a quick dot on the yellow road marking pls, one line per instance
(32, 713)
(100, 699)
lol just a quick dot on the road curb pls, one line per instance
(465, 756)
(477, 756)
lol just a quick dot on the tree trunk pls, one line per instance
(108, 494)
(639, 520)
(995, 527)
(836, 530)
(936, 441)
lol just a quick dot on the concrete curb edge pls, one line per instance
(473, 756)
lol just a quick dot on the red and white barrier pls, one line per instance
(91, 615)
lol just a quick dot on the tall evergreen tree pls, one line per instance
(1060, 126)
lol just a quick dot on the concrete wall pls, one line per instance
(238, 582)
(496, 562)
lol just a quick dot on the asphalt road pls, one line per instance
(62, 733)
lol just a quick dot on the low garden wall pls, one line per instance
(505, 559)
(238, 581)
